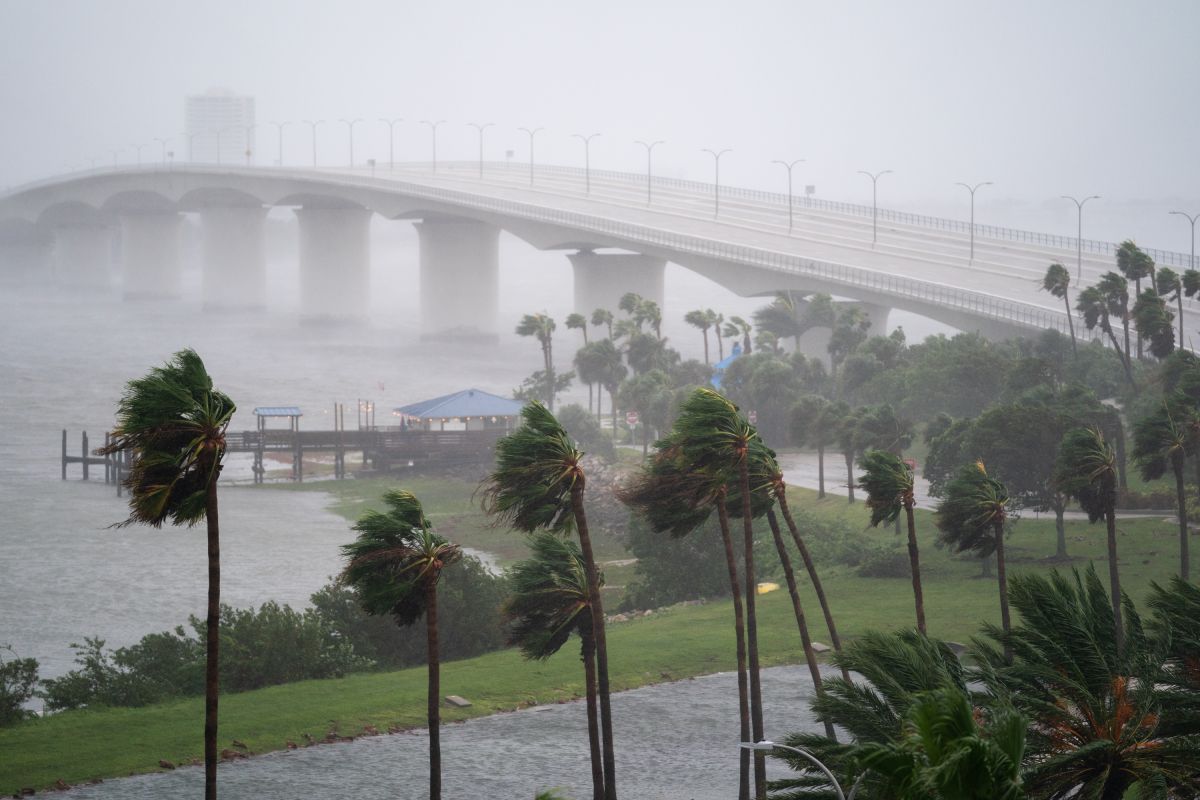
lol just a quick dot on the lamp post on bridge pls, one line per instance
(874, 202)
(115, 155)
(531, 133)
(587, 159)
(1192, 219)
(391, 123)
(217, 132)
(649, 174)
(1079, 231)
(137, 148)
(249, 146)
(313, 126)
(788, 166)
(350, 123)
(481, 127)
(190, 137)
(716, 177)
(279, 127)
(163, 142)
(972, 190)
(433, 126)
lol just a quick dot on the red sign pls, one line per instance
(631, 418)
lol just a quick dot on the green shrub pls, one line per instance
(18, 680)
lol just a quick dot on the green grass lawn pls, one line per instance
(672, 644)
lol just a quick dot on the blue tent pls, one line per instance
(719, 367)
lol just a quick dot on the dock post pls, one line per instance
(64, 454)
(84, 456)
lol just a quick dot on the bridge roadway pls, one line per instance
(920, 264)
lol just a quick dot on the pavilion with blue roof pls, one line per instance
(470, 410)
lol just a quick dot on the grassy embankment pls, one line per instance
(680, 642)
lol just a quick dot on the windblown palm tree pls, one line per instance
(1135, 264)
(612, 371)
(577, 322)
(1161, 443)
(1153, 321)
(549, 602)
(538, 484)
(172, 422)
(972, 516)
(1097, 312)
(1086, 471)
(888, 482)
(541, 327)
(395, 565)
(602, 316)
(739, 327)
(702, 320)
(1058, 283)
(1170, 285)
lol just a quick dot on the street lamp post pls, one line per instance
(972, 190)
(766, 747)
(190, 136)
(716, 178)
(279, 126)
(788, 166)
(313, 125)
(433, 126)
(481, 127)
(115, 155)
(649, 175)
(217, 131)
(1192, 219)
(350, 123)
(874, 202)
(138, 149)
(1079, 231)
(587, 159)
(250, 148)
(391, 123)
(531, 133)
(163, 143)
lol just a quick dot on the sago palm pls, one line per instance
(172, 423)
(538, 484)
(394, 566)
(1161, 443)
(1176, 630)
(888, 482)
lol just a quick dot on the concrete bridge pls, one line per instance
(617, 232)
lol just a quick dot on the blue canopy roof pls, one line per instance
(467, 403)
(277, 411)
(719, 367)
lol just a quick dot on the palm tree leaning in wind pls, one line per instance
(541, 327)
(172, 422)
(395, 565)
(1058, 283)
(538, 484)
(549, 601)
(1161, 443)
(888, 482)
(700, 319)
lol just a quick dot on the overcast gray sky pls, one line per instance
(1044, 97)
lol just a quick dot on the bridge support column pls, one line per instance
(601, 279)
(460, 278)
(82, 256)
(335, 262)
(150, 255)
(235, 271)
(878, 315)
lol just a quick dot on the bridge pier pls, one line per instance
(82, 256)
(150, 255)
(335, 262)
(235, 271)
(460, 278)
(601, 279)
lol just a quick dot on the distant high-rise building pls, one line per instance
(220, 127)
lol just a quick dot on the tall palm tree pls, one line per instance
(888, 482)
(850, 443)
(1161, 443)
(541, 327)
(602, 316)
(612, 371)
(395, 565)
(1086, 470)
(972, 516)
(1058, 283)
(172, 423)
(1095, 308)
(1115, 290)
(1153, 321)
(577, 322)
(716, 320)
(549, 601)
(1135, 264)
(1170, 285)
(703, 321)
(539, 483)
(739, 327)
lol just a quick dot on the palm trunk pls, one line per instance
(739, 630)
(1179, 299)
(849, 456)
(820, 471)
(1114, 579)
(720, 344)
(589, 679)
(1119, 450)
(798, 609)
(1002, 580)
(593, 579)
(1122, 354)
(612, 406)
(811, 568)
(756, 709)
(433, 695)
(1181, 503)
(212, 669)
(1125, 328)
(914, 563)
(1071, 325)
(705, 332)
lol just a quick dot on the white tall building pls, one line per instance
(220, 127)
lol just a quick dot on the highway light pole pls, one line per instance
(766, 747)
(481, 128)
(218, 133)
(531, 133)
(587, 159)
(433, 126)
(717, 178)
(313, 125)
(350, 123)
(279, 126)
(1192, 219)
(249, 147)
(138, 149)
(874, 202)
(163, 143)
(391, 123)
(649, 175)
(1079, 232)
(190, 136)
(972, 190)
(788, 166)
